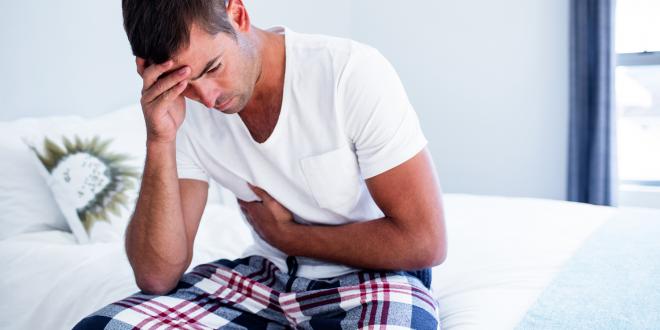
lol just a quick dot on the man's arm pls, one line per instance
(160, 235)
(410, 236)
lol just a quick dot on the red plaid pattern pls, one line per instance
(252, 293)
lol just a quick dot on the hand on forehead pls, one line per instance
(203, 52)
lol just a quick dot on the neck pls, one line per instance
(270, 77)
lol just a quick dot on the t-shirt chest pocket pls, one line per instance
(334, 178)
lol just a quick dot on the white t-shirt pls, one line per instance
(345, 117)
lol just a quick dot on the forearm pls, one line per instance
(156, 242)
(377, 244)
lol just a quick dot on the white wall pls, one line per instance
(73, 57)
(325, 17)
(64, 57)
(487, 78)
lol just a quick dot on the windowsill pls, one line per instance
(639, 196)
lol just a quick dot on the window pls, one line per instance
(637, 85)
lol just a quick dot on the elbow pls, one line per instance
(431, 248)
(159, 282)
(428, 256)
(436, 255)
(155, 287)
(155, 278)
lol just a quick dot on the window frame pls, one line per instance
(644, 193)
(638, 59)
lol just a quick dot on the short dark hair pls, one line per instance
(156, 29)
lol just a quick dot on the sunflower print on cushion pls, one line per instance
(90, 178)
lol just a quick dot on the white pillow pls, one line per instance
(26, 201)
(26, 204)
(93, 169)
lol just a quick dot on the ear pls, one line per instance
(238, 15)
(141, 64)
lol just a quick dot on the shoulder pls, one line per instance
(335, 53)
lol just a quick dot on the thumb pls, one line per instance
(265, 197)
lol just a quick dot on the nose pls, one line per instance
(207, 101)
(204, 94)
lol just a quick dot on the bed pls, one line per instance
(513, 263)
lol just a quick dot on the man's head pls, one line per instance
(212, 37)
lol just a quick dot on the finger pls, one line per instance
(249, 220)
(164, 84)
(245, 205)
(168, 95)
(152, 72)
(140, 64)
(161, 106)
(260, 193)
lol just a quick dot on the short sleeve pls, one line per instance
(188, 165)
(378, 117)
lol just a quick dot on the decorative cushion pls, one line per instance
(93, 169)
(71, 173)
(26, 204)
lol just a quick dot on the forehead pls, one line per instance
(201, 48)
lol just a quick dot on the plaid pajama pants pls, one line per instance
(252, 293)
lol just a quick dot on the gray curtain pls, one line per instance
(592, 153)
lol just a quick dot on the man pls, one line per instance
(317, 139)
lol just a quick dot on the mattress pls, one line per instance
(502, 253)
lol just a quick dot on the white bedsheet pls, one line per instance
(502, 253)
(49, 281)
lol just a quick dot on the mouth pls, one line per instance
(224, 105)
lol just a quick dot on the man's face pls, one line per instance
(224, 70)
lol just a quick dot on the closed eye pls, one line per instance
(215, 68)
